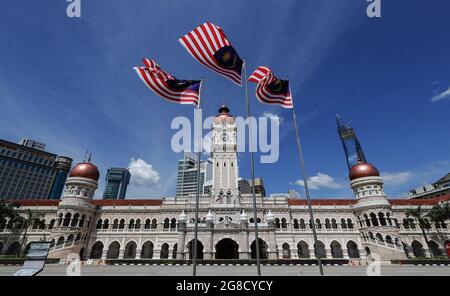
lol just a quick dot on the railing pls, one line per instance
(383, 243)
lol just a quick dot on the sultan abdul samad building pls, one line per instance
(164, 228)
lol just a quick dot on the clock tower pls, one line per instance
(224, 154)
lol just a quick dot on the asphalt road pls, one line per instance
(100, 270)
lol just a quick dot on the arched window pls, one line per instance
(303, 250)
(302, 224)
(115, 224)
(154, 223)
(296, 226)
(173, 223)
(352, 249)
(319, 225)
(379, 237)
(131, 224)
(373, 217)
(405, 223)
(83, 217)
(60, 217)
(106, 224)
(389, 239)
(277, 222)
(382, 219)
(52, 224)
(349, 223)
(147, 250)
(147, 224)
(334, 224)
(327, 223)
(99, 224)
(138, 224)
(122, 224)
(367, 220)
(388, 218)
(74, 222)
(166, 223)
(343, 224)
(336, 250)
(67, 219)
(283, 223)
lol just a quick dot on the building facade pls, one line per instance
(27, 172)
(117, 180)
(187, 175)
(354, 229)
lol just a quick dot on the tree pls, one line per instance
(424, 223)
(440, 213)
(27, 220)
(8, 210)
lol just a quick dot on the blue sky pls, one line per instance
(69, 83)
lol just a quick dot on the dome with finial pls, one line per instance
(269, 217)
(85, 169)
(243, 216)
(182, 217)
(224, 115)
(209, 217)
(363, 169)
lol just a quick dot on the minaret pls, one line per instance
(379, 233)
(224, 154)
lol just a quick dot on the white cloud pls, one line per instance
(273, 116)
(142, 173)
(441, 96)
(396, 178)
(321, 181)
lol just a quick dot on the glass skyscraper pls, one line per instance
(187, 175)
(29, 172)
(117, 180)
(352, 148)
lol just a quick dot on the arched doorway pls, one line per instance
(286, 251)
(227, 249)
(130, 250)
(164, 251)
(336, 250)
(352, 249)
(319, 251)
(303, 250)
(262, 249)
(190, 247)
(418, 250)
(434, 248)
(113, 251)
(97, 250)
(147, 250)
(13, 248)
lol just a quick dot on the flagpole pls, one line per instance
(197, 197)
(305, 183)
(252, 166)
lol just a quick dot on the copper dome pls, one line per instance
(85, 170)
(363, 169)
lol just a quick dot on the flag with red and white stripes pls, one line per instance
(210, 47)
(270, 89)
(167, 86)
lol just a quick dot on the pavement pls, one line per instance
(300, 270)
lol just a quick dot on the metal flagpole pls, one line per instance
(197, 198)
(305, 183)
(252, 165)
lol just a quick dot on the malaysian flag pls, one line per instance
(210, 47)
(270, 89)
(167, 86)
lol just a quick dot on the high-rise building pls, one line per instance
(29, 172)
(117, 180)
(352, 149)
(245, 186)
(187, 175)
